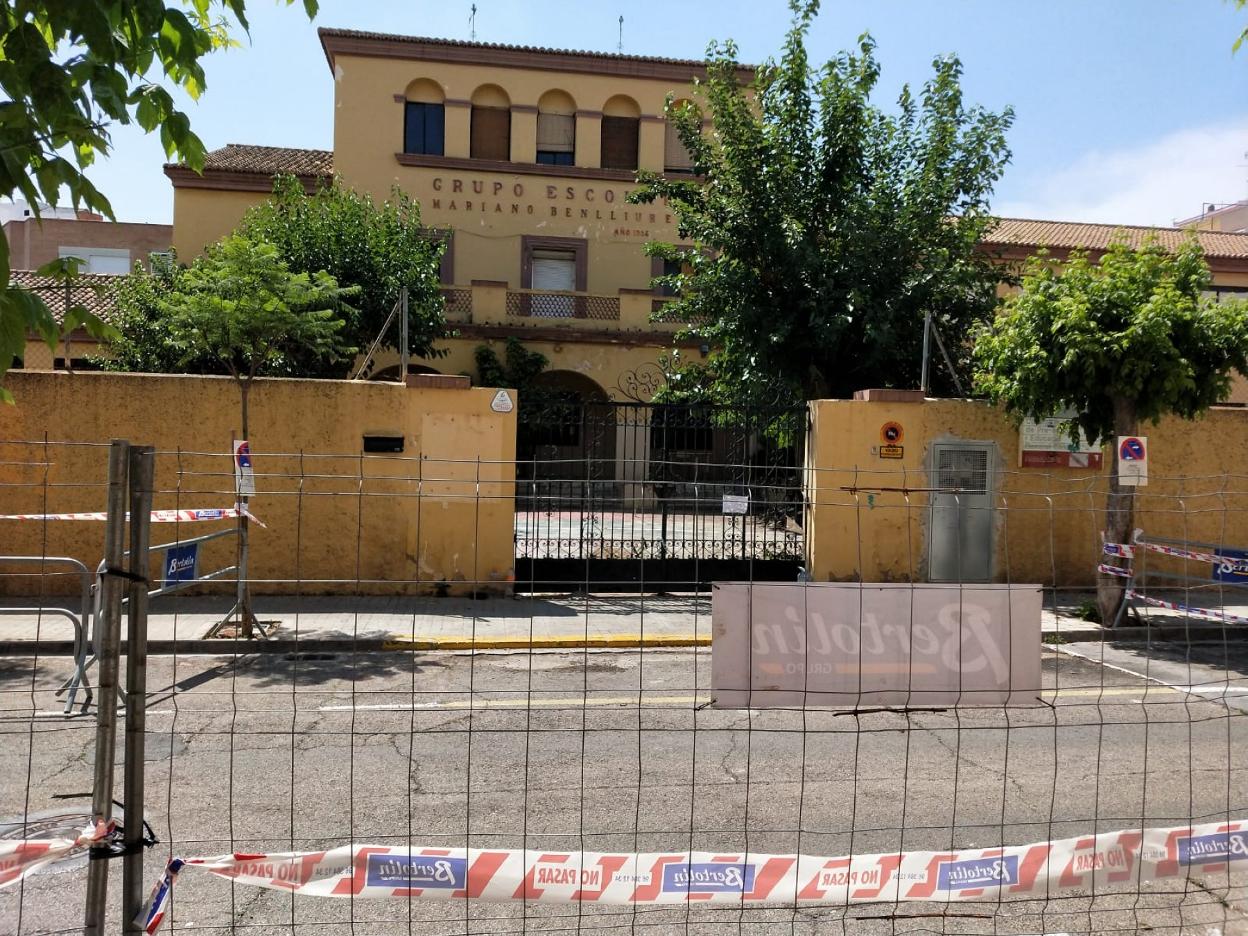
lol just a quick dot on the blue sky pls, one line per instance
(1128, 111)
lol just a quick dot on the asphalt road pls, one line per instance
(617, 751)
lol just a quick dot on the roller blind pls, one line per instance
(556, 133)
(676, 157)
(553, 270)
(619, 142)
(491, 133)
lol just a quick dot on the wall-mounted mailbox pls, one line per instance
(383, 444)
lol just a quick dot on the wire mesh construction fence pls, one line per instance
(405, 746)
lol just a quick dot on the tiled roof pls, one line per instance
(1063, 235)
(92, 290)
(269, 160)
(324, 32)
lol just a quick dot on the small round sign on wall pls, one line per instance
(891, 433)
(502, 402)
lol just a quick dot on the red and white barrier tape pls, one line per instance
(1118, 571)
(1187, 609)
(1226, 564)
(366, 871)
(189, 515)
(19, 859)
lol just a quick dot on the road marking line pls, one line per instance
(518, 703)
(691, 701)
(1185, 690)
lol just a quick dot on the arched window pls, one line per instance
(676, 158)
(424, 119)
(491, 124)
(621, 121)
(556, 129)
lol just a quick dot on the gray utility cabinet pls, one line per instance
(960, 530)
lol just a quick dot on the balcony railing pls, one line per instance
(458, 304)
(543, 303)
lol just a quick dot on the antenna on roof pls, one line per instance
(472, 23)
(619, 46)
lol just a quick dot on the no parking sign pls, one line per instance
(1133, 460)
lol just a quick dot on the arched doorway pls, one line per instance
(566, 441)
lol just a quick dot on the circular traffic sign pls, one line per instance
(1131, 449)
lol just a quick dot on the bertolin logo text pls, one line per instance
(1207, 849)
(179, 564)
(708, 878)
(416, 871)
(977, 872)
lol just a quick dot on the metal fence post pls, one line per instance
(142, 472)
(109, 628)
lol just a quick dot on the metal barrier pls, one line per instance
(163, 589)
(1229, 569)
(81, 621)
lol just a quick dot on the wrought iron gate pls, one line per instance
(656, 497)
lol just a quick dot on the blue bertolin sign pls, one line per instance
(181, 564)
(978, 872)
(708, 878)
(1208, 849)
(417, 871)
(1233, 567)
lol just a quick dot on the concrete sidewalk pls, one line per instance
(370, 623)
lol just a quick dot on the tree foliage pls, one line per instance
(378, 248)
(518, 369)
(823, 227)
(1130, 338)
(143, 341)
(69, 71)
(240, 309)
(1132, 335)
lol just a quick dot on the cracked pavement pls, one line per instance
(617, 751)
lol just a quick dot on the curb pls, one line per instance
(388, 643)
(394, 643)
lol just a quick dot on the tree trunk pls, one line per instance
(1119, 515)
(246, 619)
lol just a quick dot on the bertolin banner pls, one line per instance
(1095, 863)
(846, 644)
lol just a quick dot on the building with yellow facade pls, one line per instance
(524, 158)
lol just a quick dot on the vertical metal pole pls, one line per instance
(927, 337)
(142, 473)
(403, 335)
(109, 629)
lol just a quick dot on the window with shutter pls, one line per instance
(556, 139)
(491, 133)
(423, 128)
(619, 142)
(676, 157)
(554, 270)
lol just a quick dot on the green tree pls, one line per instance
(1125, 340)
(240, 308)
(143, 341)
(379, 248)
(69, 71)
(823, 228)
(1243, 36)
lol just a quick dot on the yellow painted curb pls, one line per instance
(558, 642)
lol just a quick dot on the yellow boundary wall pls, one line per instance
(1048, 522)
(439, 517)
